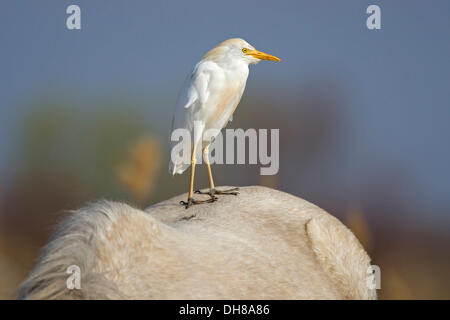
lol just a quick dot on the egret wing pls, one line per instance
(190, 101)
(193, 96)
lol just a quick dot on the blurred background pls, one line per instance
(363, 118)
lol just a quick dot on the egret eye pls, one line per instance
(244, 50)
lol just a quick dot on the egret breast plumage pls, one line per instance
(208, 99)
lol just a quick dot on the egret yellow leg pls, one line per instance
(212, 189)
(191, 180)
(190, 201)
(208, 167)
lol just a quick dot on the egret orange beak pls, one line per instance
(262, 55)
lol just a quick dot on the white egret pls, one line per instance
(208, 99)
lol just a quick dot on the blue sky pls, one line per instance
(396, 80)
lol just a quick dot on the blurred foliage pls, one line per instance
(137, 175)
(356, 221)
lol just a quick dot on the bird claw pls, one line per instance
(192, 201)
(232, 191)
(212, 192)
(213, 197)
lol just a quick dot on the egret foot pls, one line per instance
(209, 193)
(212, 192)
(192, 201)
(232, 191)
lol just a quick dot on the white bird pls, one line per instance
(208, 99)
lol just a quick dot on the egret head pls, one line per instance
(237, 50)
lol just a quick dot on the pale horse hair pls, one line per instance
(262, 244)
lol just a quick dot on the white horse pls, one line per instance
(264, 244)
